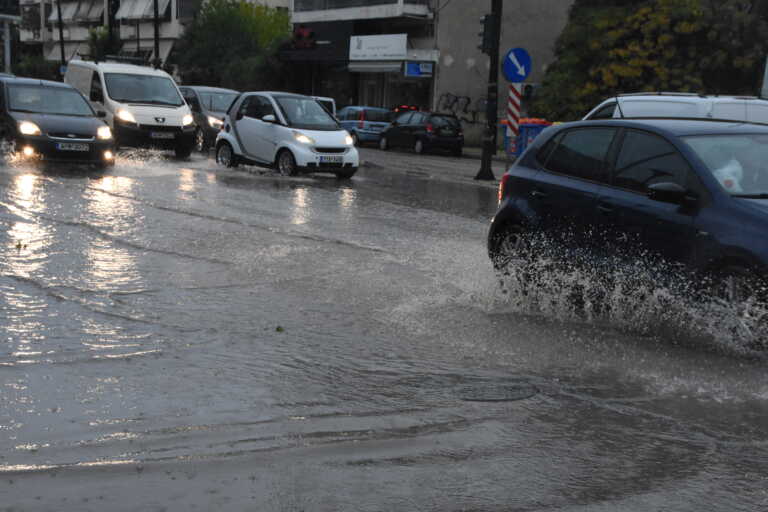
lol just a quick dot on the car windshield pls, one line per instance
(130, 88)
(306, 113)
(47, 100)
(217, 101)
(736, 161)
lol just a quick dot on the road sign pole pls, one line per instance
(489, 137)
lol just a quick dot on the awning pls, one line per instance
(140, 9)
(375, 66)
(68, 12)
(70, 50)
(92, 12)
(145, 46)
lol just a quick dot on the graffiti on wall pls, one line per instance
(463, 107)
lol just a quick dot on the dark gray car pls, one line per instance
(208, 105)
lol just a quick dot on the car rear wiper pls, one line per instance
(751, 196)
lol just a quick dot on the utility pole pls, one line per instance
(156, 60)
(490, 45)
(61, 34)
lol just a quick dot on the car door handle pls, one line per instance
(538, 194)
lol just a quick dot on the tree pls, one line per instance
(612, 47)
(232, 43)
(100, 45)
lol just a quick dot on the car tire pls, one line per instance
(418, 147)
(200, 144)
(286, 163)
(346, 173)
(383, 143)
(506, 246)
(225, 155)
(182, 151)
(355, 139)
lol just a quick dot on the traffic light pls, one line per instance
(488, 36)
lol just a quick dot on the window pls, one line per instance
(378, 116)
(97, 93)
(264, 107)
(646, 159)
(418, 118)
(47, 100)
(130, 88)
(245, 106)
(543, 154)
(404, 118)
(581, 153)
(604, 113)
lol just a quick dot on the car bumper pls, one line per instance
(445, 142)
(309, 159)
(147, 136)
(98, 151)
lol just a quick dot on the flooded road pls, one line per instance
(175, 336)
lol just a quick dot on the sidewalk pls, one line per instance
(477, 153)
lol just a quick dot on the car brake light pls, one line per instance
(430, 128)
(503, 186)
(361, 123)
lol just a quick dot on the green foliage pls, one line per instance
(100, 45)
(706, 46)
(232, 43)
(36, 66)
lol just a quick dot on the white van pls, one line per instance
(683, 105)
(143, 105)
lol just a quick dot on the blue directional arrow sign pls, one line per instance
(517, 65)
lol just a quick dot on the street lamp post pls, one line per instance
(489, 136)
(61, 34)
(156, 60)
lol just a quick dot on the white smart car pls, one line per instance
(290, 132)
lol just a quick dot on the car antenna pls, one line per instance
(618, 105)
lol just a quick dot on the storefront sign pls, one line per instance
(386, 47)
(419, 69)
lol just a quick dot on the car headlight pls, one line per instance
(126, 116)
(187, 120)
(304, 139)
(349, 141)
(215, 122)
(104, 133)
(29, 128)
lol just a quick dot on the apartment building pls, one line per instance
(416, 52)
(134, 19)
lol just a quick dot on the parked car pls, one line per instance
(52, 121)
(208, 105)
(682, 105)
(290, 132)
(365, 124)
(144, 106)
(686, 192)
(424, 131)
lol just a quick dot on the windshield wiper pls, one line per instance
(764, 195)
(26, 111)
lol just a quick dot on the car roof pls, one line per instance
(119, 67)
(205, 88)
(678, 126)
(33, 81)
(368, 108)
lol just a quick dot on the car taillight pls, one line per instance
(430, 128)
(361, 122)
(503, 186)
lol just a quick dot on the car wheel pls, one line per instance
(508, 246)
(182, 151)
(355, 139)
(735, 284)
(418, 147)
(286, 163)
(225, 156)
(383, 144)
(200, 144)
(346, 173)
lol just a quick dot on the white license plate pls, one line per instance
(326, 159)
(162, 135)
(72, 146)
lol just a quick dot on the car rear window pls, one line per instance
(445, 122)
(378, 116)
(582, 153)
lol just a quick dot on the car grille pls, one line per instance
(68, 135)
(331, 150)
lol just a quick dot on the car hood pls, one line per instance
(326, 138)
(54, 123)
(157, 114)
(760, 205)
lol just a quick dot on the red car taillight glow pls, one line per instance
(503, 186)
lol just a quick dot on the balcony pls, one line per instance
(311, 11)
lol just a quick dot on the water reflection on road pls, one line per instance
(183, 336)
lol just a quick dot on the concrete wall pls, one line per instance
(463, 69)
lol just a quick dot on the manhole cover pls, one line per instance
(496, 392)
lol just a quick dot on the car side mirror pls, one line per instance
(269, 118)
(239, 115)
(667, 192)
(101, 113)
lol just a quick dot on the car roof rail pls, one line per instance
(662, 93)
(668, 118)
(126, 60)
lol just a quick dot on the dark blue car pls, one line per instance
(693, 193)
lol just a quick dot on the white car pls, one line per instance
(290, 132)
(682, 105)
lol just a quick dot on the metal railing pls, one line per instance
(324, 5)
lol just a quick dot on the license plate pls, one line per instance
(72, 146)
(162, 135)
(326, 159)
